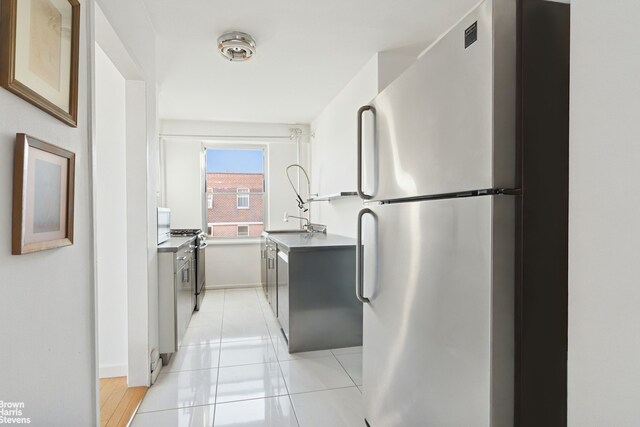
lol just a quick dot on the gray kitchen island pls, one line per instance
(315, 300)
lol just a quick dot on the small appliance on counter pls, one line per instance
(200, 244)
(164, 224)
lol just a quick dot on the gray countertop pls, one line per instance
(308, 241)
(174, 244)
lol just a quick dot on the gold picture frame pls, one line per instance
(39, 54)
(43, 196)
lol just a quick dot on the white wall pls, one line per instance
(184, 186)
(230, 264)
(142, 316)
(233, 265)
(604, 231)
(280, 195)
(182, 181)
(111, 217)
(333, 152)
(135, 32)
(47, 358)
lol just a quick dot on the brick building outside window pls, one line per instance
(235, 204)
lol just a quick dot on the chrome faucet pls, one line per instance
(287, 216)
(309, 226)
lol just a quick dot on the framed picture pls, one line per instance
(39, 53)
(43, 196)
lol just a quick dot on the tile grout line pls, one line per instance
(280, 395)
(275, 350)
(174, 409)
(324, 389)
(344, 354)
(293, 407)
(345, 369)
(215, 397)
(264, 317)
(220, 354)
(200, 369)
(273, 397)
(272, 338)
(289, 394)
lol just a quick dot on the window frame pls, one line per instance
(240, 145)
(209, 197)
(238, 230)
(244, 193)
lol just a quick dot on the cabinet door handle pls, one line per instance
(359, 260)
(181, 258)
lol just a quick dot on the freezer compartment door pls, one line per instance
(439, 127)
(438, 327)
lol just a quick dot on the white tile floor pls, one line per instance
(233, 369)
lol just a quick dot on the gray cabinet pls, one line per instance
(176, 282)
(317, 305)
(310, 280)
(283, 291)
(263, 266)
(184, 282)
(272, 292)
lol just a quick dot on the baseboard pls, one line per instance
(113, 371)
(234, 286)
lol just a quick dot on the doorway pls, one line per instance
(121, 222)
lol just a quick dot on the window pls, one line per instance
(235, 197)
(242, 201)
(243, 230)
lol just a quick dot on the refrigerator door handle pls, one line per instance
(359, 260)
(361, 111)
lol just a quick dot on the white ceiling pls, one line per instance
(307, 51)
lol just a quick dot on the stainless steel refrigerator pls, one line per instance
(437, 166)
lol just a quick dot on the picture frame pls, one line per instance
(43, 196)
(39, 54)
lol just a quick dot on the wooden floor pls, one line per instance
(118, 403)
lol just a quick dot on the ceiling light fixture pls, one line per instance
(236, 46)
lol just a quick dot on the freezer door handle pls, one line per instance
(359, 260)
(361, 111)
